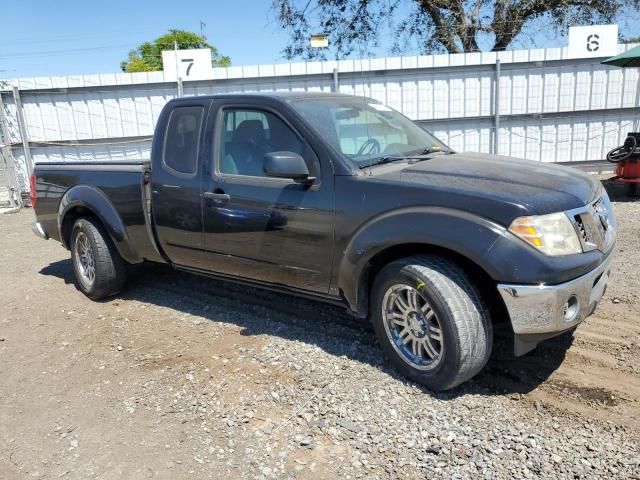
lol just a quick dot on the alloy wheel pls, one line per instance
(412, 326)
(85, 259)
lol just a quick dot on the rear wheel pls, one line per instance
(100, 270)
(431, 321)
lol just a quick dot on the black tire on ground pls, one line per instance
(109, 268)
(446, 293)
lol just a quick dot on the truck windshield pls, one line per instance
(366, 131)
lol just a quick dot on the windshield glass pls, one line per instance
(364, 130)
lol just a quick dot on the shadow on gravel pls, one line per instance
(261, 312)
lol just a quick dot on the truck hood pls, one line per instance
(496, 186)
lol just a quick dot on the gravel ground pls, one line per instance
(185, 377)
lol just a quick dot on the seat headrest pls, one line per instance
(250, 131)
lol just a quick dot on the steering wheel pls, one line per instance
(371, 146)
(620, 154)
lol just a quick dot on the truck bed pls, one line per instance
(92, 164)
(122, 185)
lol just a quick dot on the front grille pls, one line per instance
(582, 231)
(595, 225)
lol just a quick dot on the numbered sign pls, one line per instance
(593, 41)
(192, 64)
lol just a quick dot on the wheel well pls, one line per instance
(69, 221)
(485, 284)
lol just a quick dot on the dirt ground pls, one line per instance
(185, 377)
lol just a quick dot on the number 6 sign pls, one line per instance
(593, 41)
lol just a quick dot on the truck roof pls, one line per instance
(288, 95)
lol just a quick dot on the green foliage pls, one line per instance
(148, 56)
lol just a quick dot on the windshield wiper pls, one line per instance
(434, 149)
(388, 159)
(417, 157)
(394, 158)
(425, 155)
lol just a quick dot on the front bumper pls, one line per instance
(540, 311)
(39, 231)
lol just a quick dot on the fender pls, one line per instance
(93, 199)
(461, 232)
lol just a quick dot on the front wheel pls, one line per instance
(431, 321)
(99, 268)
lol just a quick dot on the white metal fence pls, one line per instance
(536, 104)
(9, 188)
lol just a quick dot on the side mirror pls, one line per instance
(287, 165)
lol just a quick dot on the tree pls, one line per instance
(148, 56)
(452, 26)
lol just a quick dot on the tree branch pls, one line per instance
(443, 29)
(355, 26)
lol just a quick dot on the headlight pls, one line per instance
(552, 234)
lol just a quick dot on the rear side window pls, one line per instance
(182, 139)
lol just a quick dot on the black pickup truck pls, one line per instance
(345, 200)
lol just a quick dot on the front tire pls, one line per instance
(431, 321)
(100, 270)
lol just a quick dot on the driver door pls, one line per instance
(272, 230)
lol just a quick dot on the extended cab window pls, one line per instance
(182, 139)
(247, 135)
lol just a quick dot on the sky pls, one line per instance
(67, 37)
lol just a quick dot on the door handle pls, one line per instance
(216, 197)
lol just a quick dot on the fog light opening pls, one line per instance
(571, 308)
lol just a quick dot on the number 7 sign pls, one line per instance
(191, 64)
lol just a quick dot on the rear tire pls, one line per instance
(431, 321)
(100, 270)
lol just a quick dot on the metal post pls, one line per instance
(4, 127)
(175, 49)
(180, 89)
(496, 109)
(7, 157)
(22, 126)
(336, 85)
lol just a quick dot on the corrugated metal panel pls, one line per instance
(547, 101)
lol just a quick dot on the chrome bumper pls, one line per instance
(545, 309)
(39, 231)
